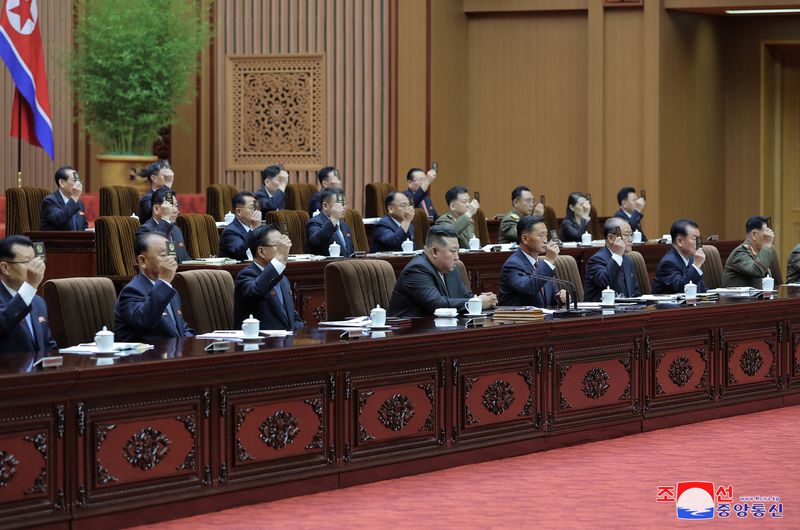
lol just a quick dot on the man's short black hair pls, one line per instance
(517, 192)
(623, 194)
(62, 173)
(270, 172)
(153, 169)
(453, 193)
(390, 199)
(160, 195)
(323, 173)
(410, 174)
(612, 223)
(756, 222)
(239, 198)
(7, 243)
(327, 193)
(143, 242)
(257, 237)
(525, 224)
(681, 228)
(437, 234)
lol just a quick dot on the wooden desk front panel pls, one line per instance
(749, 357)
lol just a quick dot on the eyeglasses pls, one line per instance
(19, 262)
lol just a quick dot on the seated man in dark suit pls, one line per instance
(610, 267)
(419, 183)
(160, 175)
(753, 259)
(272, 196)
(261, 289)
(148, 307)
(517, 287)
(392, 229)
(630, 209)
(165, 211)
(328, 226)
(430, 280)
(233, 241)
(328, 178)
(63, 209)
(23, 314)
(681, 264)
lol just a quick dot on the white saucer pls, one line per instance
(446, 312)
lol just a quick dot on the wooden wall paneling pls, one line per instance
(651, 108)
(595, 111)
(517, 6)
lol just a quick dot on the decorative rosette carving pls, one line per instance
(751, 361)
(680, 371)
(595, 383)
(279, 430)
(146, 449)
(396, 412)
(498, 397)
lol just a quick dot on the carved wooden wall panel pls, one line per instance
(750, 359)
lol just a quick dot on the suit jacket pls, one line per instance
(321, 233)
(233, 241)
(146, 205)
(463, 226)
(270, 204)
(517, 288)
(57, 215)
(793, 268)
(672, 274)
(15, 335)
(572, 229)
(256, 294)
(635, 220)
(602, 271)
(387, 235)
(420, 197)
(140, 313)
(419, 290)
(171, 231)
(744, 268)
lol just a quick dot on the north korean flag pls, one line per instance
(21, 50)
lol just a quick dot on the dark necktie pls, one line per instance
(282, 302)
(174, 320)
(73, 221)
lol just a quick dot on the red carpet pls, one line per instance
(609, 484)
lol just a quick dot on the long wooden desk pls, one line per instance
(177, 431)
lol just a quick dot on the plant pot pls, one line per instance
(116, 170)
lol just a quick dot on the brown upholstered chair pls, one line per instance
(481, 228)
(298, 195)
(776, 269)
(356, 222)
(200, 234)
(374, 196)
(567, 269)
(24, 209)
(712, 267)
(206, 298)
(294, 222)
(119, 200)
(219, 200)
(641, 271)
(78, 308)
(354, 287)
(115, 236)
(595, 228)
(421, 225)
(462, 271)
(550, 218)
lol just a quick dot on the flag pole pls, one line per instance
(19, 143)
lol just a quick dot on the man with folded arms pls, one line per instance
(517, 286)
(233, 241)
(23, 314)
(610, 267)
(63, 209)
(148, 307)
(392, 229)
(328, 178)
(459, 218)
(630, 209)
(681, 264)
(522, 204)
(272, 196)
(160, 175)
(418, 193)
(261, 289)
(329, 227)
(430, 280)
(165, 211)
(751, 261)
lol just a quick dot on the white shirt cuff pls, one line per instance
(617, 258)
(552, 265)
(27, 292)
(166, 282)
(698, 269)
(278, 265)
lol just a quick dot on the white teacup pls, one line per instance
(667, 239)
(474, 243)
(690, 291)
(104, 340)
(334, 249)
(378, 316)
(586, 238)
(637, 236)
(767, 283)
(607, 296)
(474, 306)
(229, 217)
(407, 245)
(250, 327)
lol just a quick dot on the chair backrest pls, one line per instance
(356, 222)
(24, 209)
(462, 271)
(481, 227)
(293, 222)
(712, 267)
(206, 298)
(550, 218)
(595, 228)
(374, 196)
(421, 225)
(78, 308)
(641, 271)
(115, 236)
(200, 234)
(298, 195)
(567, 269)
(354, 287)
(119, 200)
(776, 269)
(215, 206)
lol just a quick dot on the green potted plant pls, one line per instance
(132, 64)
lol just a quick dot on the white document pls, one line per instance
(119, 348)
(358, 322)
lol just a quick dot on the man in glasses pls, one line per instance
(681, 264)
(233, 241)
(63, 210)
(610, 267)
(165, 212)
(160, 175)
(392, 229)
(329, 226)
(328, 178)
(23, 314)
(261, 289)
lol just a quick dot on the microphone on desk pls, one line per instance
(572, 290)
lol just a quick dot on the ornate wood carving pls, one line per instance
(60, 420)
(241, 452)
(320, 313)
(527, 375)
(626, 363)
(731, 377)
(8, 469)
(279, 430)
(659, 357)
(223, 400)
(100, 435)
(430, 393)
(498, 397)
(146, 449)
(704, 379)
(317, 442)
(190, 424)
(680, 371)
(80, 413)
(595, 383)
(363, 435)
(396, 412)
(469, 419)
(39, 441)
(206, 401)
(751, 361)
(563, 369)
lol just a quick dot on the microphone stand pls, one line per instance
(572, 290)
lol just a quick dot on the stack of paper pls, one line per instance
(522, 313)
(736, 292)
(119, 348)
(237, 335)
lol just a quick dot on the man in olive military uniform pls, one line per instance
(522, 204)
(793, 268)
(459, 218)
(751, 261)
